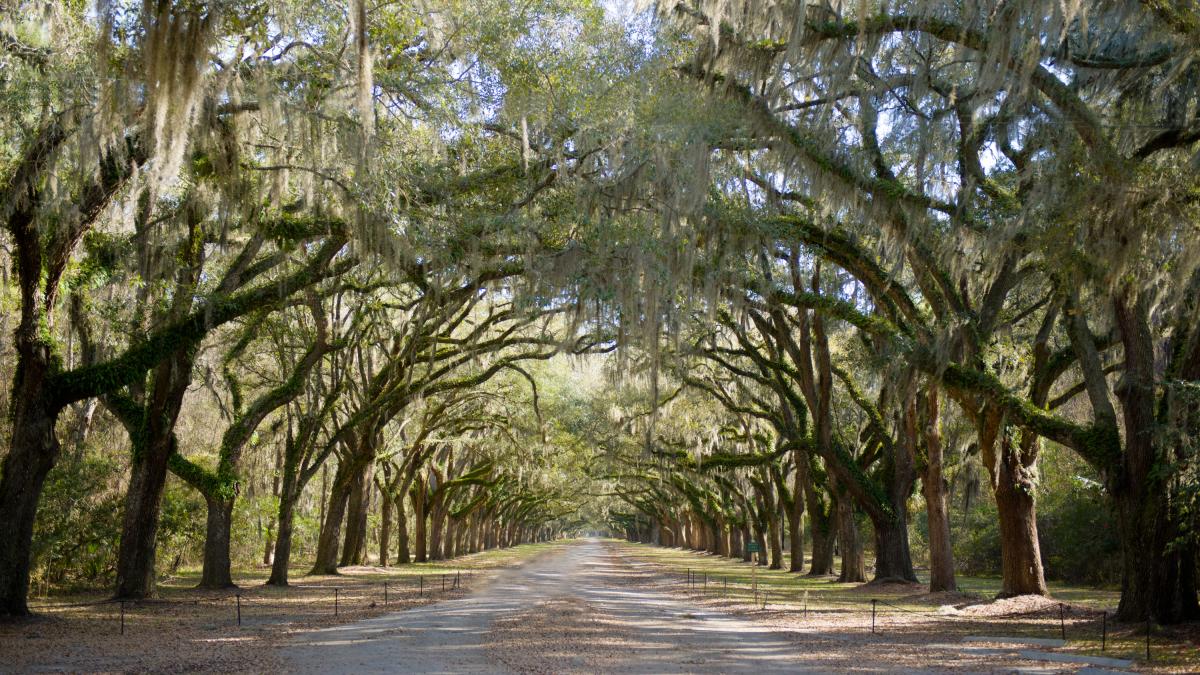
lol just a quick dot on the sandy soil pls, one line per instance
(590, 608)
(574, 612)
(188, 630)
(585, 607)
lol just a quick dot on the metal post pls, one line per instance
(1062, 621)
(239, 607)
(872, 615)
(422, 577)
(443, 583)
(706, 582)
(122, 617)
(457, 578)
(335, 602)
(1104, 630)
(385, 594)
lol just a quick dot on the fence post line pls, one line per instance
(873, 615)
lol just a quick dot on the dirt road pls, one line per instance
(574, 611)
(588, 608)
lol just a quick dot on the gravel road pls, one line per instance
(575, 610)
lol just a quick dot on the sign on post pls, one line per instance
(753, 547)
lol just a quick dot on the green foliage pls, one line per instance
(79, 522)
(1076, 522)
(180, 527)
(1077, 528)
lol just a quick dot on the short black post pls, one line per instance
(385, 594)
(706, 582)
(457, 578)
(335, 602)
(1062, 621)
(443, 583)
(726, 585)
(122, 617)
(239, 607)
(422, 577)
(872, 615)
(1104, 630)
(1147, 636)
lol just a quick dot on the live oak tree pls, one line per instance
(359, 239)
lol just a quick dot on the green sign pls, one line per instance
(753, 547)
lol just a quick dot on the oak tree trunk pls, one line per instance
(216, 570)
(331, 529)
(854, 565)
(33, 449)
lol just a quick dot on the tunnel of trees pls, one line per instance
(879, 286)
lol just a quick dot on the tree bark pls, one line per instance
(358, 500)
(823, 532)
(402, 556)
(796, 515)
(136, 577)
(385, 529)
(419, 519)
(937, 505)
(1158, 579)
(331, 529)
(1016, 506)
(33, 450)
(216, 571)
(854, 565)
(288, 494)
(436, 523)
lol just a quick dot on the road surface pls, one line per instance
(576, 610)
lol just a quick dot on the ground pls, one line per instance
(188, 629)
(575, 607)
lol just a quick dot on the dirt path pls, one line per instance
(572, 612)
(589, 608)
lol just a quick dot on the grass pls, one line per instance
(908, 608)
